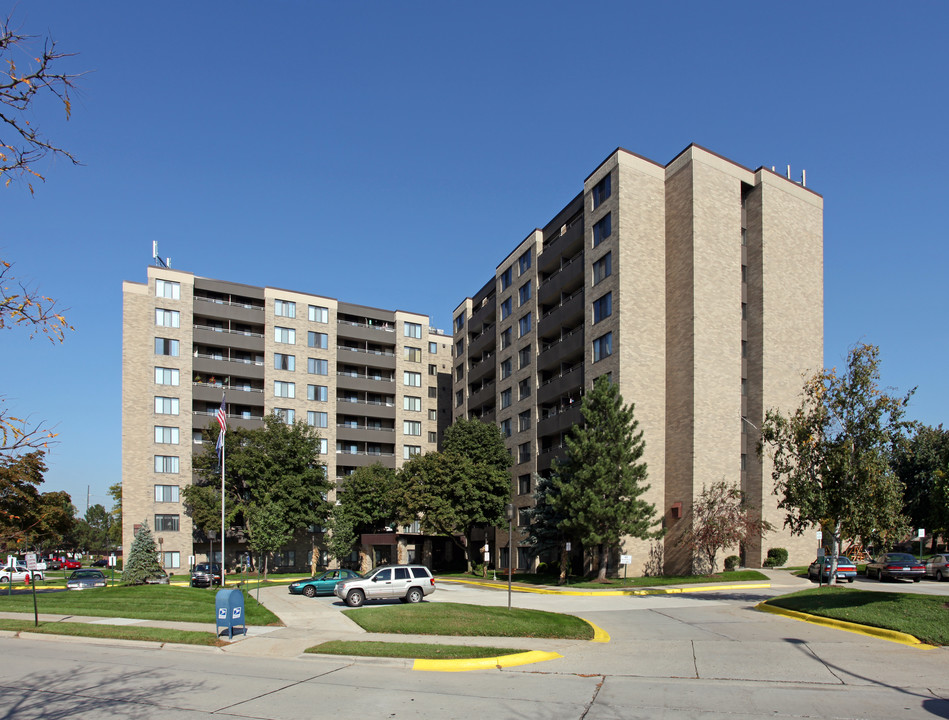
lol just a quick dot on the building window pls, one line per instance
(506, 307)
(287, 415)
(459, 322)
(318, 393)
(744, 273)
(524, 294)
(412, 354)
(603, 268)
(524, 452)
(744, 462)
(601, 191)
(506, 278)
(432, 436)
(413, 330)
(412, 404)
(166, 464)
(506, 338)
(433, 414)
(506, 368)
(433, 392)
(284, 389)
(603, 347)
(412, 379)
(524, 325)
(166, 346)
(505, 426)
(459, 348)
(524, 357)
(602, 229)
(524, 421)
(166, 493)
(602, 307)
(316, 419)
(459, 397)
(744, 348)
(411, 427)
(317, 340)
(410, 451)
(166, 376)
(505, 398)
(165, 435)
(284, 308)
(433, 348)
(524, 263)
(284, 362)
(167, 318)
(171, 559)
(323, 448)
(166, 405)
(286, 336)
(318, 314)
(459, 372)
(166, 523)
(523, 519)
(315, 366)
(524, 485)
(167, 289)
(524, 389)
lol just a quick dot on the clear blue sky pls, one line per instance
(265, 142)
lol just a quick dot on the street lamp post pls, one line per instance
(509, 511)
(212, 534)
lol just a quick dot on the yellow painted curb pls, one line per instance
(599, 634)
(881, 633)
(492, 663)
(608, 593)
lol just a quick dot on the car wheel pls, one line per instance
(355, 598)
(916, 579)
(939, 576)
(309, 591)
(849, 579)
(414, 595)
(880, 576)
(4, 579)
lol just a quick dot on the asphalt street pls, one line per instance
(702, 655)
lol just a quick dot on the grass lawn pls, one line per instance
(145, 602)
(114, 632)
(584, 582)
(471, 620)
(419, 651)
(923, 616)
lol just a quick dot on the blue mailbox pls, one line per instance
(229, 609)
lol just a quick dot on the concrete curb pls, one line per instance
(880, 633)
(608, 593)
(492, 663)
(599, 634)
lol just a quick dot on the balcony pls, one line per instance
(237, 394)
(568, 275)
(242, 340)
(364, 459)
(566, 244)
(222, 366)
(363, 356)
(484, 394)
(482, 368)
(361, 432)
(483, 341)
(565, 350)
(229, 310)
(567, 312)
(560, 418)
(562, 384)
(373, 408)
(382, 332)
(346, 380)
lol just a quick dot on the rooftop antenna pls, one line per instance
(803, 178)
(166, 263)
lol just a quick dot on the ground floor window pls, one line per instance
(171, 560)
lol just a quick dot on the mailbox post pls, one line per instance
(229, 611)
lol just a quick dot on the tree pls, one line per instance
(480, 442)
(275, 464)
(719, 520)
(21, 143)
(366, 503)
(268, 529)
(28, 517)
(544, 530)
(93, 531)
(115, 529)
(451, 495)
(830, 456)
(598, 486)
(142, 561)
(921, 462)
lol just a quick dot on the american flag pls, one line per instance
(221, 417)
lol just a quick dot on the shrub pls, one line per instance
(731, 562)
(776, 557)
(542, 568)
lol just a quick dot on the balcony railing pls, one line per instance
(237, 416)
(359, 401)
(357, 426)
(564, 301)
(243, 361)
(364, 376)
(388, 327)
(246, 333)
(553, 343)
(230, 386)
(563, 266)
(386, 353)
(373, 453)
(578, 366)
(216, 301)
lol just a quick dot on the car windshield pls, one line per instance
(203, 567)
(86, 574)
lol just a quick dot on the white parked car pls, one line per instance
(408, 583)
(18, 573)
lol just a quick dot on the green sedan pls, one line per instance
(322, 584)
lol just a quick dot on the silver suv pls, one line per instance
(408, 583)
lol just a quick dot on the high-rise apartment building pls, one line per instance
(369, 380)
(697, 287)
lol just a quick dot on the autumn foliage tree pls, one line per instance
(719, 520)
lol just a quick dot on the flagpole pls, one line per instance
(223, 451)
(222, 421)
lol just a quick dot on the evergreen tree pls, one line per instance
(142, 562)
(544, 533)
(598, 486)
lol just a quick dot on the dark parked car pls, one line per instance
(202, 575)
(101, 562)
(846, 570)
(322, 584)
(84, 579)
(896, 565)
(54, 564)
